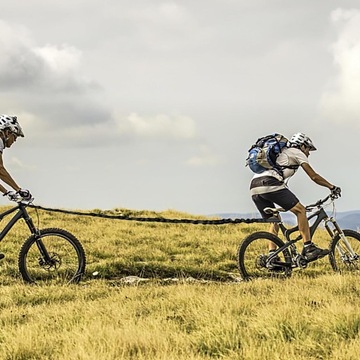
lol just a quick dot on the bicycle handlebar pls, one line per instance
(320, 202)
(19, 199)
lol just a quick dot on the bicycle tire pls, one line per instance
(68, 258)
(345, 263)
(248, 258)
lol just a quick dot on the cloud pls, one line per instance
(45, 88)
(17, 63)
(168, 13)
(163, 27)
(108, 129)
(340, 102)
(205, 158)
(158, 126)
(58, 105)
(48, 68)
(61, 68)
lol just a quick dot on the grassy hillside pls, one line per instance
(204, 314)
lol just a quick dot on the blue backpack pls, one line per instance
(263, 154)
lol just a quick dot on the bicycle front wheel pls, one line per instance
(252, 257)
(345, 252)
(53, 256)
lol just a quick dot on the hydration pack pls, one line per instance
(263, 154)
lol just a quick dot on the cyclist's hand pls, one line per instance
(12, 195)
(336, 192)
(25, 194)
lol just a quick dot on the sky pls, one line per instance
(153, 104)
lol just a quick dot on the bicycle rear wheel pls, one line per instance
(345, 255)
(54, 256)
(252, 257)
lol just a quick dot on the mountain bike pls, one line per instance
(254, 260)
(49, 255)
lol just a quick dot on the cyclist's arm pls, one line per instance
(314, 176)
(6, 177)
(2, 189)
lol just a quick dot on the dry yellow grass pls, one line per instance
(312, 315)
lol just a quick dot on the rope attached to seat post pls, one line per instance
(155, 219)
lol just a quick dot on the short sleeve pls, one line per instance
(301, 158)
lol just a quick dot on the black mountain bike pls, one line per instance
(254, 260)
(48, 255)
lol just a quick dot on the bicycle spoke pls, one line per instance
(254, 261)
(55, 257)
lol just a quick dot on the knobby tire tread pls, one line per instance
(348, 233)
(66, 236)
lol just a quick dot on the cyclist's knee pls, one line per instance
(298, 209)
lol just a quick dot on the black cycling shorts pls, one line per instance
(282, 197)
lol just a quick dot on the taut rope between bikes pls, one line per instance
(155, 219)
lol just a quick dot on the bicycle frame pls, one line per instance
(320, 216)
(43, 249)
(22, 213)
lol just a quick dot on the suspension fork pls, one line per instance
(36, 233)
(337, 231)
(28, 220)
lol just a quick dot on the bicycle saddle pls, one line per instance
(273, 211)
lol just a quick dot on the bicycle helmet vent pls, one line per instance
(11, 123)
(299, 139)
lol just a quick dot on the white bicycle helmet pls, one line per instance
(299, 139)
(11, 123)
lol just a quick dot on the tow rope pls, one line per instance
(155, 219)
